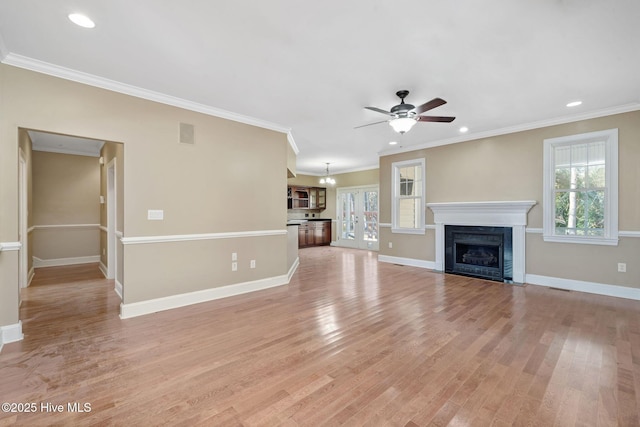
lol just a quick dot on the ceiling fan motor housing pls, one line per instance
(402, 109)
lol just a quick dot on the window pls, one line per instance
(407, 213)
(581, 188)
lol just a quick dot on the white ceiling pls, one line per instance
(311, 67)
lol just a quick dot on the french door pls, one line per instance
(357, 217)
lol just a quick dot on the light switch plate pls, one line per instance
(155, 214)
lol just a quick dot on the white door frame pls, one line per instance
(112, 250)
(358, 242)
(23, 214)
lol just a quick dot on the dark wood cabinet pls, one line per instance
(297, 198)
(321, 197)
(306, 197)
(314, 233)
(304, 237)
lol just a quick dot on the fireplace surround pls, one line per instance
(511, 214)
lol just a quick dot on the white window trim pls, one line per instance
(611, 196)
(395, 188)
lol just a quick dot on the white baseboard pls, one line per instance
(37, 262)
(407, 261)
(293, 269)
(103, 269)
(32, 272)
(10, 333)
(581, 286)
(181, 300)
(118, 289)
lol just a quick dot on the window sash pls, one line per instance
(408, 196)
(581, 188)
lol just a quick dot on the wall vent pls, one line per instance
(187, 134)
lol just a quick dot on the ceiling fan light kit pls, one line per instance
(404, 116)
(402, 124)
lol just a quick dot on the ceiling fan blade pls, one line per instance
(435, 102)
(444, 119)
(376, 123)
(379, 110)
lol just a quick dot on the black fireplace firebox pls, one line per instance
(484, 252)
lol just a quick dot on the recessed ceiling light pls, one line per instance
(81, 20)
(393, 142)
(574, 104)
(464, 129)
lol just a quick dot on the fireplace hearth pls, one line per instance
(479, 251)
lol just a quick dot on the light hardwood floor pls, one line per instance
(348, 341)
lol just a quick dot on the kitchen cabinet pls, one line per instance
(322, 233)
(304, 237)
(314, 233)
(306, 197)
(319, 200)
(297, 198)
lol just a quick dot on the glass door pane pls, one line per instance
(370, 216)
(347, 216)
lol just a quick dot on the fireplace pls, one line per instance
(509, 214)
(478, 251)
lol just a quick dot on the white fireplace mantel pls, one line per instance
(490, 214)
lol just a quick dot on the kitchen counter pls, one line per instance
(303, 221)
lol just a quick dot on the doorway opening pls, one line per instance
(70, 200)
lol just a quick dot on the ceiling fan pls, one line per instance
(404, 116)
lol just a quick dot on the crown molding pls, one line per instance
(126, 89)
(518, 128)
(292, 143)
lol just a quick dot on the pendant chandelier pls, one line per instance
(327, 179)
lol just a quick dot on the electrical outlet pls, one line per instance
(622, 267)
(234, 256)
(234, 266)
(390, 245)
(253, 263)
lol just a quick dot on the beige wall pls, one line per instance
(66, 190)
(231, 180)
(510, 167)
